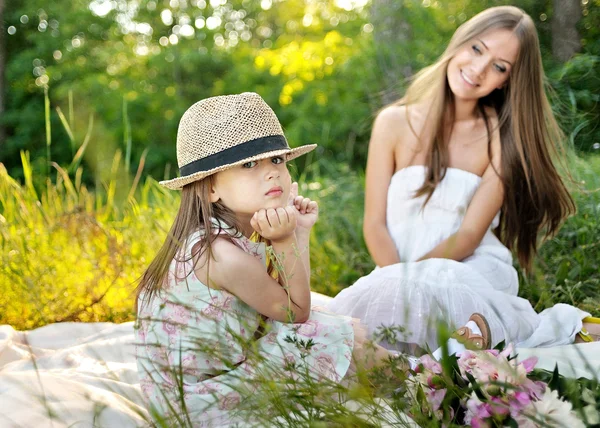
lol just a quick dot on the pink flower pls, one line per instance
(435, 398)
(430, 364)
(477, 412)
(487, 366)
(507, 352)
(529, 363)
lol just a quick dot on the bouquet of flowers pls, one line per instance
(485, 389)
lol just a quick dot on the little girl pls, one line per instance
(459, 173)
(212, 299)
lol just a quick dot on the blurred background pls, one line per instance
(91, 92)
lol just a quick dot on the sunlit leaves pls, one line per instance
(304, 61)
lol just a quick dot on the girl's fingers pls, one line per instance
(262, 219)
(291, 215)
(283, 216)
(304, 205)
(312, 207)
(301, 203)
(272, 217)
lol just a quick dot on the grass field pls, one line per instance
(70, 254)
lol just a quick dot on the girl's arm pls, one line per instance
(245, 276)
(484, 206)
(380, 168)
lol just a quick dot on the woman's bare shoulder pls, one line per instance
(402, 120)
(391, 116)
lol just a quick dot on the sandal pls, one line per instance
(472, 341)
(584, 335)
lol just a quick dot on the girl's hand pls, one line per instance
(308, 210)
(275, 224)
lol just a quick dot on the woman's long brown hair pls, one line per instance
(195, 212)
(536, 200)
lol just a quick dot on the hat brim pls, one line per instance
(179, 182)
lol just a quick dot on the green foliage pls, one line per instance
(72, 255)
(317, 63)
(568, 267)
(576, 100)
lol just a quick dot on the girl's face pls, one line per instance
(483, 64)
(253, 186)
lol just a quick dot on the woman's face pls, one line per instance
(483, 64)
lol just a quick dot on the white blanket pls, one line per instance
(83, 375)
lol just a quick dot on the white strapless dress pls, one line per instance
(416, 295)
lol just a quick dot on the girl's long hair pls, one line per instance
(195, 212)
(535, 197)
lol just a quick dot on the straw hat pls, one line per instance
(222, 132)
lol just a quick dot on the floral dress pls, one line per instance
(197, 354)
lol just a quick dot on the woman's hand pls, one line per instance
(275, 224)
(307, 210)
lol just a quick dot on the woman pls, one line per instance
(459, 173)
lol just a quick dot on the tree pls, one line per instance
(565, 37)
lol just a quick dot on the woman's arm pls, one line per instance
(379, 171)
(484, 206)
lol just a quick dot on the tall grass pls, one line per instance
(70, 253)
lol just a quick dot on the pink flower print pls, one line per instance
(271, 338)
(289, 361)
(170, 328)
(182, 270)
(216, 309)
(169, 281)
(325, 366)
(177, 313)
(142, 331)
(173, 323)
(204, 389)
(309, 328)
(147, 386)
(252, 248)
(189, 363)
(230, 401)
